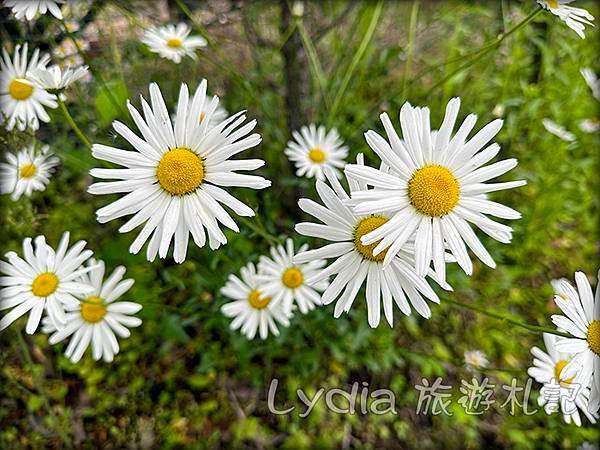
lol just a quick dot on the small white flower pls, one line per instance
(44, 280)
(558, 130)
(589, 125)
(355, 263)
(287, 282)
(314, 149)
(575, 18)
(582, 321)
(97, 317)
(251, 309)
(173, 42)
(54, 79)
(21, 102)
(592, 81)
(559, 390)
(476, 359)
(173, 179)
(29, 8)
(436, 189)
(66, 54)
(27, 171)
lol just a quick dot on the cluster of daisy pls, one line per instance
(569, 369)
(77, 300)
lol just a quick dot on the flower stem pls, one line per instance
(479, 53)
(71, 121)
(260, 230)
(507, 319)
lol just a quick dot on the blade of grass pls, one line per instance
(314, 63)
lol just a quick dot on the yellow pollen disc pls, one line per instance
(316, 155)
(93, 309)
(558, 368)
(180, 171)
(593, 337)
(433, 190)
(202, 116)
(44, 284)
(292, 278)
(365, 226)
(20, 89)
(175, 43)
(27, 170)
(256, 301)
(552, 3)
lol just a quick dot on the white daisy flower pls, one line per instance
(54, 79)
(21, 102)
(575, 18)
(66, 54)
(355, 262)
(27, 171)
(30, 8)
(217, 117)
(285, 281)
(172, 180)
(592, 81)
(558, 130)
(559, 391)
(173, 42)
(314, 149)
(476, 358)
(97, 318)
(251, 309)
(589, 125)
(582, 321)
(436, 187)
(45, 279)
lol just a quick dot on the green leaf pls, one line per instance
(108, 99)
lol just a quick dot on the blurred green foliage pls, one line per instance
(184, 379)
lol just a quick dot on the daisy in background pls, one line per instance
(592, 81)
(173, 42)
(44, 280)
(314, 149)
(66, 54)
(560, 392)
(355, 263)
(27, 171)
(285, 281)
(558, 130)
(589, 125)
(30, 8)
(173, 179)
(575, 18)
(435, 189)
(21, 102)
(476, 359)
(251, 309)
(97, 317)
(581, 320)
(55, 80)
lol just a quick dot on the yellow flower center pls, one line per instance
(593, 337)
(552, 3)
(433, 190)
(175, 43)
(93, 309)
(365, 226)
(27, 170)
(44, 284)
(558, 368)
(256, 301)
(20, 89)
(316, 155)
(292, 277)
(180, 171)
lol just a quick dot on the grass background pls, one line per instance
(184, 379)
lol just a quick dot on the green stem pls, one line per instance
(410, 47)
(503, 318)
(71, 121)
(479, 53)
(260, 230)
(97, 75)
